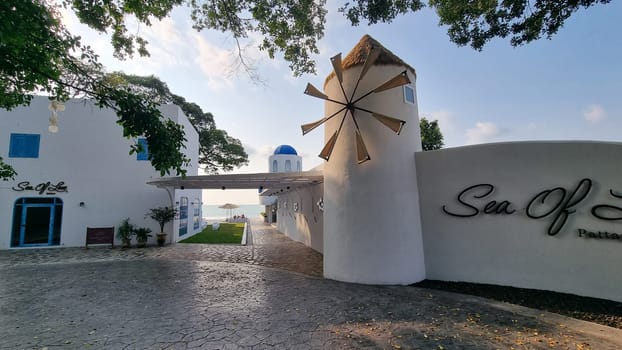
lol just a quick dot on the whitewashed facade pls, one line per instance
(82, 176)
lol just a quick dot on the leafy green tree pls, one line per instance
(431, 136)
(6, 171)
(475, 23)
(39, 55)
(217, 150)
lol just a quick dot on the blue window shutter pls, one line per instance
(144, 154)
(24, 146)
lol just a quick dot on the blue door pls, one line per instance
(37, 222)
(37, 225)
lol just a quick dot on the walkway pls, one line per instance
(179, 297)
(268, 248)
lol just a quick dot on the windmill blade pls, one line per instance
(310, 126)
(315, 92)
(398, 80)
(361, 151)
(328, 148)
(336, 61)
(369, 61)
(390, 122)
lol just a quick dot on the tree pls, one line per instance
(217, 150)
(38, 54)
(475, 23)
(6, 171)
(431, 136)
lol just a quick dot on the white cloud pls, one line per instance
(594, 113)
(483, 132)
(266, 151)
(215, 62)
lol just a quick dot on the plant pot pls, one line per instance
(141, 242)
(126, 243)
(161, 239)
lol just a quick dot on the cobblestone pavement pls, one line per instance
(180, 298)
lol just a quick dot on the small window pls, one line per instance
(288, 165)
(24, 146)
(275, 166)
(196, 218)
(298, 167)
(144, 154)
(409, 95)
(183, 216)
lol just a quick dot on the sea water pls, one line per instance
(212, 213)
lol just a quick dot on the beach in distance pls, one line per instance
(213, 213)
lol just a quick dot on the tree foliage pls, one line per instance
(39, 55)
(217, 150)
(6, 171)
(475, 23)
(289, 27)
(431, 136)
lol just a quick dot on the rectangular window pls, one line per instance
(24, 146)
(144, 154)
(409, 95)
(196, 218)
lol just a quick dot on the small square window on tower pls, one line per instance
(409, 94)
(24, 146)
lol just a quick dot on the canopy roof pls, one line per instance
(267, 183)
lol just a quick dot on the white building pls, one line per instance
(285, 159)
(543, 215)
(83, 176)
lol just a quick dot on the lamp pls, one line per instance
(55, 106)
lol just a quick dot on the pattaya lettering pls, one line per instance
(583, 233)
(44, 187)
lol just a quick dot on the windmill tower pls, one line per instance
(372, 225)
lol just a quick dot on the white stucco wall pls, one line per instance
(513, 249)
(90, 155)
(306, 224)
(372, 231)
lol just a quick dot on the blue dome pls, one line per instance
(285, 149)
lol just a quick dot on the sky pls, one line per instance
(567, 88)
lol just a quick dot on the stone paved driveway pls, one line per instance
(181, 298)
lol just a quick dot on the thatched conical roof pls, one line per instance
(359, 53)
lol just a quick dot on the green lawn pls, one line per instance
(226, 233)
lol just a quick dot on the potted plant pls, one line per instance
(125, 233)
(142, 234)
(162, 215)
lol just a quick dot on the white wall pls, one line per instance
(91, 156)
(513, 249)
(306, 224)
